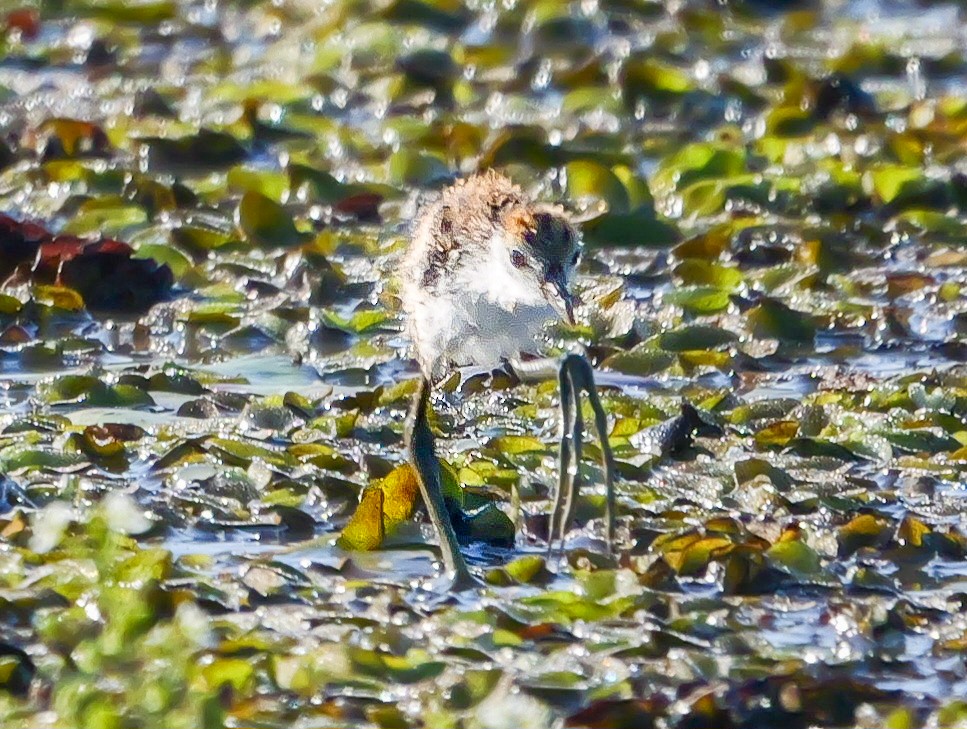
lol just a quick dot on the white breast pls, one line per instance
(479, 316)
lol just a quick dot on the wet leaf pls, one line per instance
(401, 492)
(641, 360)
(777, 434)
(586, 179)
(516, 444)
(399, 669)
(694, 556)
(71, 138)
(922, 441)
(360, 322)
(695, 337)
(490, 525)
(365, 530)
(205, 149)
(265, 222)
(711, 275)
(642, 77)
(865, 530)
(639, 228)
(775, 319)
(526, 569)
(699, 300)
(794, 557)
(695, 163)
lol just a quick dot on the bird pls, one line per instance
(485, 271)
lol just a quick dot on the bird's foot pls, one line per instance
(462, 580)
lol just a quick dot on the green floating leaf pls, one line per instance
(390, 502)
(697, 337)
(701, 161)
(912, 532)
(642, 77)
(200, 240)
(266, 223)
(17, 459)
(72, 138)
(271, 184)
(91, 391)
(821, 448)
(521, 145)
(641, 228)
(409, 167)
(587, 179)
(99, 442)
(922, 441)
(491, 526)
(177, 261)
(526, 569)
(772, 318)
(145, 12)
(105, 216)
(699, 300)
(9, 305)
(697, 272)
(694, 557)
(366, 320)
(903, 187)
(320, 186)
(751, 468)
(235, 672)
(889, 182)
(389, 667)
(515, 444)
(642, 360)
(795, 558)
(59, 296)
(401, 491)
(201, 151)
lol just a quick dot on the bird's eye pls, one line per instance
(575, 258)
(518, 259)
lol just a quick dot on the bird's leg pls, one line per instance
(574, 375)
(420, 447)
(569, 416)
(574, 467)
(582, 378)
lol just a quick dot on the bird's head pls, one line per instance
(542, 250)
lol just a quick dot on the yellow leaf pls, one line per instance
(365, 530)
(400, 492)
(695, 558)
(60, 297)
(777, 434)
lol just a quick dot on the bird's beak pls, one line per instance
(562, 300)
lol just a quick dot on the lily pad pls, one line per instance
(266, 223)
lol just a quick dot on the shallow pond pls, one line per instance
(204, 520)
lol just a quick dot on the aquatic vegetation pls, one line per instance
(205, 519)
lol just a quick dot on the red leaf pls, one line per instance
(363, 205)
(26, 20)
(111, 247)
